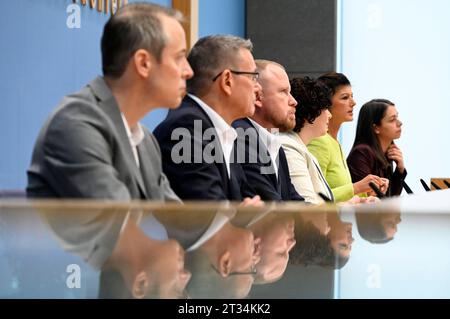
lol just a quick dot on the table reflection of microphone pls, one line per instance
(425, 186)
(376, 190)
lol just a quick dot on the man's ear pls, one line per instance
(258, 98)
(226, 82)
(225, 263)
(140, 285)
(143, 62)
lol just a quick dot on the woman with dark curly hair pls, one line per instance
(321, 239)
(311, 116)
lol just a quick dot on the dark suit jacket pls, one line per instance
(83, 151)
(192, 177)
(362, 162)
(266, 185)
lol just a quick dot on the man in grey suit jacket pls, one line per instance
(93, 146)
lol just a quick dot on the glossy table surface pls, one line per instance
(397, 248)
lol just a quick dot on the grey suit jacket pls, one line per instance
(83, 151)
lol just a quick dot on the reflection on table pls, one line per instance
(92, 249)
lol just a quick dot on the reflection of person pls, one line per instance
(276, 233)
(377, 228)
(321, 238)
(340, 236)
(93, 146)
(374, 149)
(265, 163)
(132, 264)
(141, 267)
(311, 118)
(222, 90)
(327, 149)
(224, 265)
(191, 228)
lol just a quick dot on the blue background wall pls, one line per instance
(42, 60)
(221, 17)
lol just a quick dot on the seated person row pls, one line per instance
(93, 146)
(200, 155)
(58, 170)
(312, 117)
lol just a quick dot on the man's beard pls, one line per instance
(284, 125)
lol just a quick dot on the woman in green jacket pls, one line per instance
(329, 152)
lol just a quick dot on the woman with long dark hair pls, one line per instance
(374, 151)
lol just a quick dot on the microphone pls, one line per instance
(447, 183)
(376, 190)
(324, 197)
(425, 186)
(407, 188)
(436, 186)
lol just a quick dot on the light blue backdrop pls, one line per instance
(42, 60)
(400, 50)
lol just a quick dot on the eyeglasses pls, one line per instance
(234, 273)
(255, 75)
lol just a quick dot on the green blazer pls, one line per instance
(332, 161)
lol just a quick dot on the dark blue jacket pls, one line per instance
(265, 184)
(198, 180)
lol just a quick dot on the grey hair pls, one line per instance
(210, 56)
(134, 26)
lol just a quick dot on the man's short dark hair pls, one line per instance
(134, 26)
(211, 55)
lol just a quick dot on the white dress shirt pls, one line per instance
(226, 134)
(271, 142)
(135, 137)
(221, 218)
